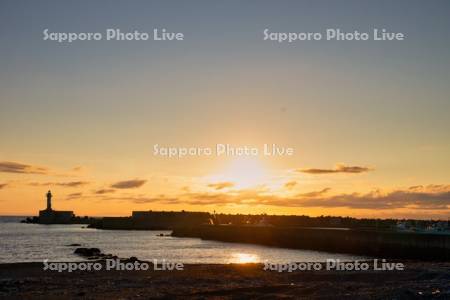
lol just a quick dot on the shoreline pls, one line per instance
(225, 281)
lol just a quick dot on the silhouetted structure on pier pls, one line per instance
(50, 216)
(153, 220)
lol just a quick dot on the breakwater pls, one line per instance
(152, 220)
(385, 244)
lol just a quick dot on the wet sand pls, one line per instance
(421, 280)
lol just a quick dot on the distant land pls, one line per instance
(406, 239)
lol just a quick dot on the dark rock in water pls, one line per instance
(87, 252)
(73, 245)
(162, 234)
(30, 220)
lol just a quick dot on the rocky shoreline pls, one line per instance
(419, 280)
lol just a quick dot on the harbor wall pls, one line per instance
(383, 244)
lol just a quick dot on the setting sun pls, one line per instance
(245, 172)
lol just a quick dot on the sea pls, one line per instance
(20, 242)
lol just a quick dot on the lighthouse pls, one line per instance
(49, 200)
(50, 216)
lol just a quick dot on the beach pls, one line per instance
(225, 281)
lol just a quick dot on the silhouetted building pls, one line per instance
(169, 219)
(154, 220)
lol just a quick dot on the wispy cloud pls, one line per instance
(74, 196)
(221, 185)
(377, 200)
(21, 168)
(290, 185)
(129, 184)
(63, 184)
(104, 191)
(142, 200)
(314, 193)
(78, 169)
(139, 199)
(432, 197)
(73, 183)
(340, 168)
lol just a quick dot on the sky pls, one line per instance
(368, 121)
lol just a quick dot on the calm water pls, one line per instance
(33, 242)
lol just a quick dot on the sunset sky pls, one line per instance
(369, 121)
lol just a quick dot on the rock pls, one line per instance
(74, 245)
(87, 252)
(30, 220)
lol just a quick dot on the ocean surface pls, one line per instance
(35, 243)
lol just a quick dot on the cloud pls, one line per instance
(78, 169)
(314, 193)
(340, 168)
(378, 200)
(139, 199)
(433, 197)
(290, 185)
(15, 167)
(63, 184)
(72, 183)
(3, 185)
(185, 189)
(221, 185)
(74, 196)
(129, 184)
(415, 187)
(104, 191)
(436, 187)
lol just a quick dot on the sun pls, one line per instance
(245, 172)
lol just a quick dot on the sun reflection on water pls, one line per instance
(243, 258)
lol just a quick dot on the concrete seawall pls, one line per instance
(383, 244)
(152, 220)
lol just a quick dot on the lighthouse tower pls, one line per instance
(49, 200)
